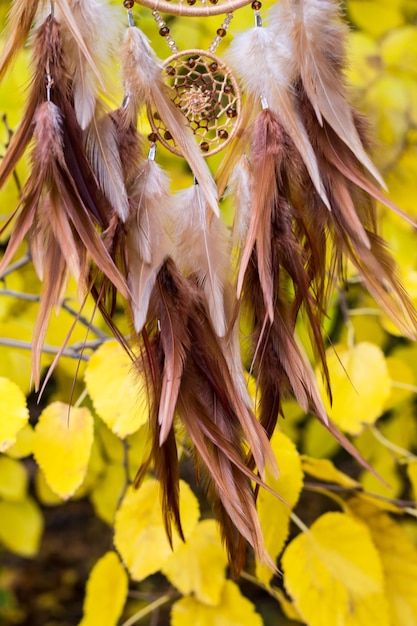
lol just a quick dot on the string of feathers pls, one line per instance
(96, 208)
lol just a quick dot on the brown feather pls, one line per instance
(19, 22)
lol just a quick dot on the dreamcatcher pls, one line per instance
(304, 191)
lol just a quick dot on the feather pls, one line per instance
(19, 21)
(197, 383)
(147, 244)
(144, 85)
(201, 248)
(87, 28)
(264, 49)
(103, 152)
(47, 53)
(352, 222)
(318, 37)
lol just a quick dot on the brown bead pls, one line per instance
(153, 137)
(191, 2)
(223, 134)
(221, 32)
(256, 5)
(214, 1)
(228, 89)
(214, 66)
(231, 112)
(167, 135)
(204, 146)
(191, 62)
(156, 116)
(170, 70)
(128, 4)
(164, 31)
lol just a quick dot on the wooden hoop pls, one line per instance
(182, 9)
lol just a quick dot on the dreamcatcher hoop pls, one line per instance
(205, 9)
(207, 93)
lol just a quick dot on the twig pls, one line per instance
(26, 345)
(17, 265)
(406, 454)
(147, 610)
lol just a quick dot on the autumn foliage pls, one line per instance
(343, 535)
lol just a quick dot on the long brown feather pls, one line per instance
(19, 22)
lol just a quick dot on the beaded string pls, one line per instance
(220, 33)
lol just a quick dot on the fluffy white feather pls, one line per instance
(202, 248)
(265, 64)
(147, 244)
(103, 153)
(318, 37)
(90, 30)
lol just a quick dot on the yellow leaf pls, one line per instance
(402, 382)
(140, 536)
(13, 480)
(198, 565)
(106, 592)
(399, 561)
(412, 475)
(108, 491)
(23, 445)
(399, 50)
(274, 515)
(21, 526)
(364, 63)
(115, 390)
(388, 101)
(62, 446)
(16, 364)
(402, 180)
(374, 17)
(44, 493)
(324, 470)
(317, 441)
(287, 607)
(13, 413)
(334, 574)
(360, 385)
(234, 610)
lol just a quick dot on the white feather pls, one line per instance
(103, 153)
(147, 244)
(266, 66)
(202, 248)
(318, 35)
(90, 31)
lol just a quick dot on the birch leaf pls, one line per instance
(21, 527)
(140, 536)
(23, 446)
(360, 386)
(198, 565)
(115, 390)
(13, 480)
(324, 470)
(274, 514)
(106, 592)
(62, 446)
(334, 574)
(399, 561)
(13, 413)
(234, 610)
